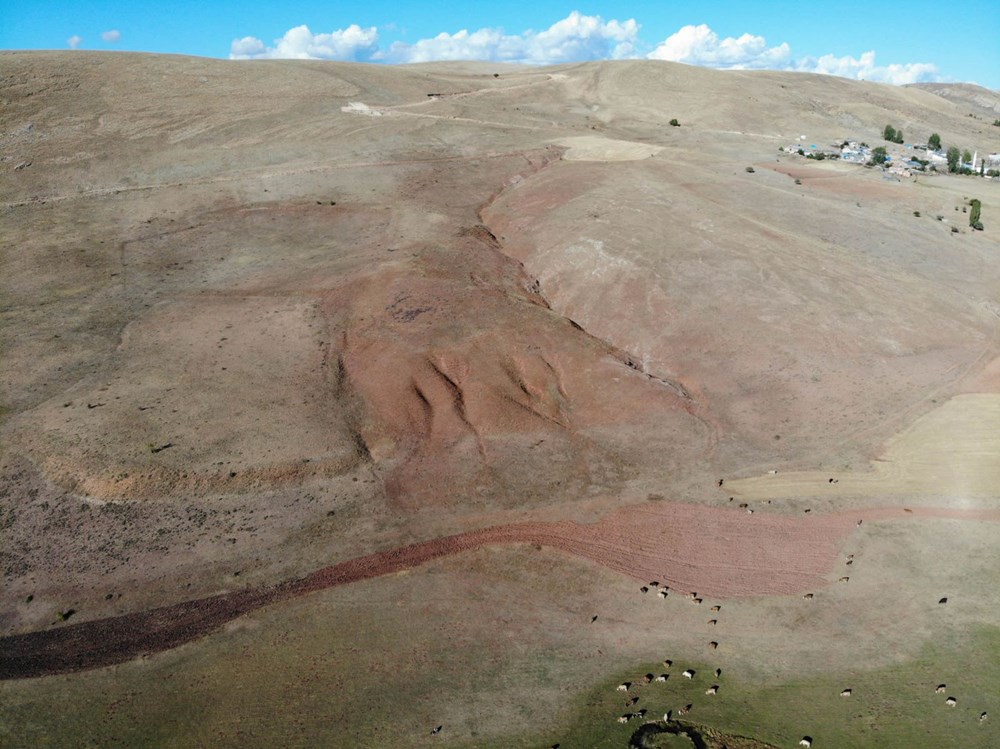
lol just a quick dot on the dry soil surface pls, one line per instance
(290, 327)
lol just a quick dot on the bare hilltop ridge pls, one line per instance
(359, 405)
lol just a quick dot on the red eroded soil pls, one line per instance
(716, 552)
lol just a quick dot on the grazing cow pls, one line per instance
(846, 693)
(721, 482)
(718, 673)
(629, 703)
(772, 472)
(850, 562)
(714, 689)
(940, 688)
(643, 589)
(844, 579)
(806, 740)
(982, 716)
(647, 678)
(593, 618)
(697, 601)
(743, 505)
(860, 522)
(688, 674)
(713, 622)
(685, 710)
(749, 511)
(668, 663)
(663, 677)
(809, 596)
(625, 718)
(623, 687)
(943, 600)
(641, 713)
(832, 481)
(436, 730)
(951, 702)
(717, 608)
(662, 594)
(654, 584)
(667, 715)
(714, 645)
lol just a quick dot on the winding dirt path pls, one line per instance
(716, 552)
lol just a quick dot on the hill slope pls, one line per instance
(262, 319)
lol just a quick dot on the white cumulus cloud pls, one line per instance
(699, 45)
(864, 68)
(299, 43)
(74, 41)
(113, 35)
(576, 37)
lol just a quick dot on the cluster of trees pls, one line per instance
(892, 135)
(955, 156)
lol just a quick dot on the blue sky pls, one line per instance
(892, 41)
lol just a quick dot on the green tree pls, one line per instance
(934, 142)
(879, 155)
(974, 213)
(953, 156)
(889, 133)
(966, 156)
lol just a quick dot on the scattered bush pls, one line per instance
(993, 173)
(675, 123)
(798, 181)
(750, 170)
(917, 214)
(954, 230)
(879, 156)
(934, 142)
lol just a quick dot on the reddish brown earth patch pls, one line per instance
(718, 553)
